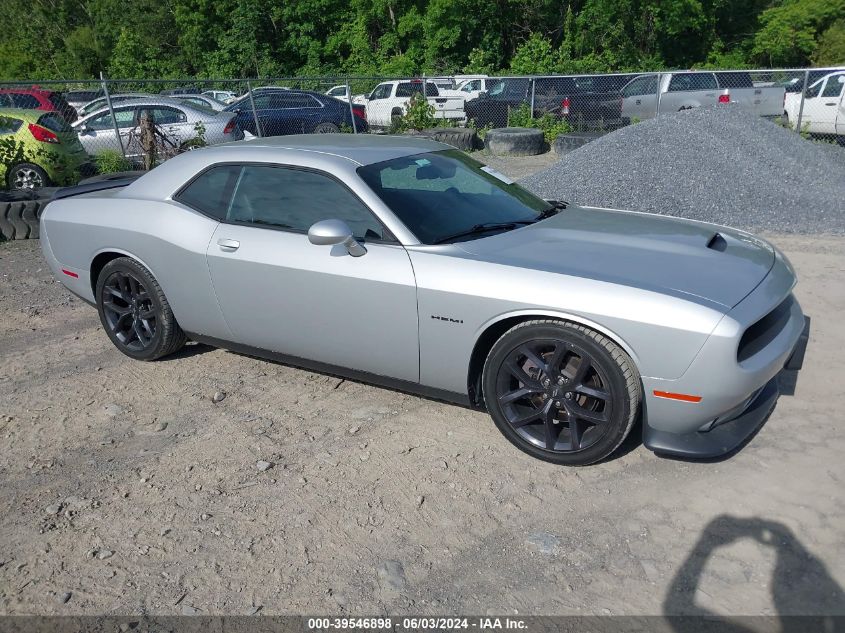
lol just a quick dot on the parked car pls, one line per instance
(404, 262)
(340, 92)
(824, 108)
(183, 90)
(176, 120)
(201, 101)
(51, 153)
(78, 98)
(796, 84)
(223, 96)
(685, 90)
(281, 112)
(470, 88)
(389, 99)
(37, 99)
(563, 97)
(102, 102)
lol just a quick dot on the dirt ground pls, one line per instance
(126, 489)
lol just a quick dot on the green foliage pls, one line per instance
(551, 126)
(830, 50)
(481, 131)
(419, 115)
(267, 38)
(110, 161)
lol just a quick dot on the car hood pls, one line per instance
(658, 253)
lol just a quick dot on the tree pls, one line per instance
(830, 50)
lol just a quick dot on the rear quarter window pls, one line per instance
(8, 125)
(54, 122)
(210, 193)
(27, 102)
(734, 80)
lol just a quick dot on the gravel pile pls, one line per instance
(718, 164)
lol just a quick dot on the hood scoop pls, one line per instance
(718, 243)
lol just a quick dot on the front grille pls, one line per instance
(765, 330)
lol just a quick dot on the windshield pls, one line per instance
(440, 195)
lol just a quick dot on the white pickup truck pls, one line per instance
(388, 100)
(824, 106)
(472, 87)
(685, 90)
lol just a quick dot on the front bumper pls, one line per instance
(731, 430)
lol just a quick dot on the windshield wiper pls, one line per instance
(483, 228)
(555, 207)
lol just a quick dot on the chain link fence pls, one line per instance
(56, 132)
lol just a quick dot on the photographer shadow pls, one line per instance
(804, 594)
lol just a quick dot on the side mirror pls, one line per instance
(331, 232)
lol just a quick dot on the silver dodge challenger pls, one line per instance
(406, 263)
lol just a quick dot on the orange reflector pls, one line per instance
(677, 396)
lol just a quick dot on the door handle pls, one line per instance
(639, 101)
(227, 245)
(828, 104)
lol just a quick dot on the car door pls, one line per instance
(281, 293)
(639, 98)
(829, 101)
(97, 133)
(812, 110)
(840, 114)
(378, 108)
(172, 122)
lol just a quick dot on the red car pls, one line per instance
(36, 98)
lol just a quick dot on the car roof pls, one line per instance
(363, 149)
(151, 101)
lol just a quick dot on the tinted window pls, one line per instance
(641, 86)
(407, 88)
(9, 125)
(54, 122)
(125, 118)
(294, 100)
(472, 85)
(734, 80)
(692, 81)
(5, 100)
(440, 194)
(554, 87)
(813, 91)
(210, 192)
(833, 88)
(338, 92)
(165, 116)
(25, 101)
(295, 199)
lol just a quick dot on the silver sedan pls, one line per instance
(404, 262)
(180, 126)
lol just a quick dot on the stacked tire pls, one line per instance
(515, 141)
(19, 219)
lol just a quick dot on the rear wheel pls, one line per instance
(561, 392)
(134, 311)
(326, 128)
(26, 176)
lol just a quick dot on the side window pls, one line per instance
(27, 102)
(381, 92)
(813, 91)
(125, 118)
(165, 116)
(211, 191)
(407, 88)
(832, 88)
(692, 81)
(641, 86)
(8, 125)
(295, 100)
(5, 101)
(295, 199)
(338, 92)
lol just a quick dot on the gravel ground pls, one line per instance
(216, 483)
(719, 164)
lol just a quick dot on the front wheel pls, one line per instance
(134, 311)
(326, 128)
(561, 392)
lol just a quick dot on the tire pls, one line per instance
(566, 143)
(126, 289)
(462, 138)
(553, 407)
(27, 176)
(326, 128)
(7, 229)
(29, 215)
(515, 141)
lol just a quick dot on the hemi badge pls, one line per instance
(677, 396)
(70, 273)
